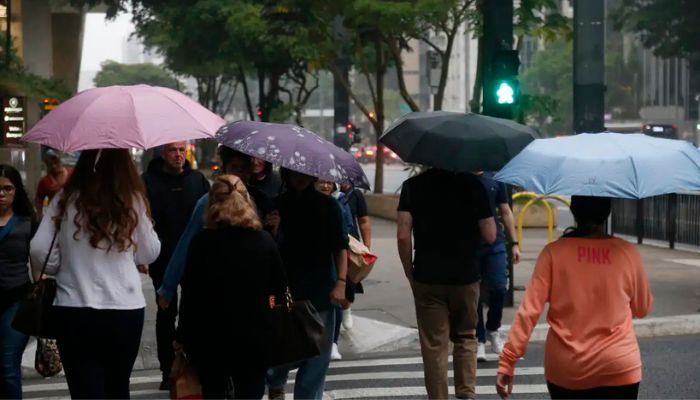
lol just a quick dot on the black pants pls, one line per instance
(603, 392)
(165, 327)
(98, 349)
(248, 381)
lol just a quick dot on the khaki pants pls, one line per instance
(447, 313)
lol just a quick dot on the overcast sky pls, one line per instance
(102, 40)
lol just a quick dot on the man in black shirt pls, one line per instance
(173, 189)
(449, 216)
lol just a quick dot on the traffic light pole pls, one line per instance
(341, 98)
(498, 35)
(589, 65)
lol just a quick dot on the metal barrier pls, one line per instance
(673, 218)
(535, 198)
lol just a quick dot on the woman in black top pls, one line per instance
(17, 226)
(233, 267)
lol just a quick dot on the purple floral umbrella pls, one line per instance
(295, 148)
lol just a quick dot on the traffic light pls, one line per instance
(504, 88)
(259, 113)
(48, 104)
(353, 133)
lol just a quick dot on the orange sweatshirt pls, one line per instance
(594, 287)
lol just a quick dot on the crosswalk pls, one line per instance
(369, 378)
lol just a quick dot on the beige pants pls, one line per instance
(447, 313)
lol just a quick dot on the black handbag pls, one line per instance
(34, 315)
(297, 333)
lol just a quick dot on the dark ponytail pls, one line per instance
(590, 213)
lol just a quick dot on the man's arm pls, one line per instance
(176, 266)
(405, 243)
(509, 223)
(365, 231)
(341, 267)
(487, 228)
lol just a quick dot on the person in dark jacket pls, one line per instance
(225, 294)
(313, 245)
(17, 226)
(265, 178)
(173, 189)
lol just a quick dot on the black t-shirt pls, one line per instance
(446, 209)
(310, 234)
(358, 206)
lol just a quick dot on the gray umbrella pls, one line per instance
(457, 142)
(295, 148)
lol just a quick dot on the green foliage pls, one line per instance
(114, 73)
(548, 88)
(16, 77)
(670, 27)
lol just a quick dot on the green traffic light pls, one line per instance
(505, 93)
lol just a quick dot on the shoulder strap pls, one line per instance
(8, 227)
(48, 255)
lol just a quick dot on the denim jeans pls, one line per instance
(12, 344)
(311, 377)
(494, 264)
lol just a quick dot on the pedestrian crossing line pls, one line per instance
(43, 387)
(134, 394)
(370, 376)
(406, 391)
(381, 362)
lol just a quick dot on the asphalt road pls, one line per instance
(669, 372)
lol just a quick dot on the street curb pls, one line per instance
(407, 338)
(673, 325)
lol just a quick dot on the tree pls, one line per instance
(670, 27)
(114, 73)
(15, 77)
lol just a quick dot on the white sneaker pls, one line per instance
(335, 354)
(347, 319)
(496, 342)
(481, 352)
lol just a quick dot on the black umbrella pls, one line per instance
(457, 142)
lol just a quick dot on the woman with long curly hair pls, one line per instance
(103, 238)
(233, 266)
(17, 226)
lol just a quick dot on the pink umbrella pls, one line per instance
(139, 116)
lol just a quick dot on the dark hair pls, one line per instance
(589, 212)
(227, 154)
(105, 191)
(21, 205)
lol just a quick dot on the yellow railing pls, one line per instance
(536, 198)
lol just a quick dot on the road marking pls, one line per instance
(41, 387)
(693, 262)
(390, 361)
(420, 391)
(370, 376)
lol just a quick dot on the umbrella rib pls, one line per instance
(66, 138)
(184, 109)
(136, 120)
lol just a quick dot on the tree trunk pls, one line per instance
(379, 116)
(444, 70)
(396, 54)
(475, 104)
(246, 92)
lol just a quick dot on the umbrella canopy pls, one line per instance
(295, 148)
(118, 117)
(457, 142)
(631, 166)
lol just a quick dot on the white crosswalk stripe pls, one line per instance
(387, 377)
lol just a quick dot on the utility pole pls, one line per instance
(589, 65)
(497, 39)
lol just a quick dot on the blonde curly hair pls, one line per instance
(230, 204)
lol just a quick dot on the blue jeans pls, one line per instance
(12, 344)
(494, 263)
(311, 377)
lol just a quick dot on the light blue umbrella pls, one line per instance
(630, 166)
